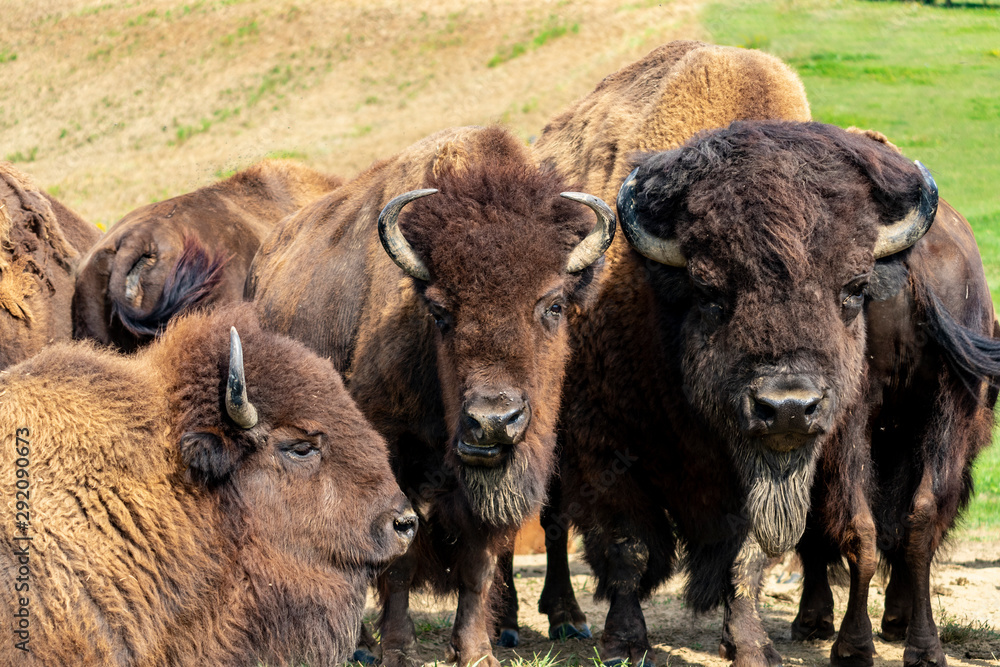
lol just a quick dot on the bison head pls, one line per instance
(773, 231)
(270, 430)
(501, 258)
(144, 271)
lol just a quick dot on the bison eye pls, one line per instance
(549, 310)
(852, 297)
(712, 312)
(298, 451)
(442, 318)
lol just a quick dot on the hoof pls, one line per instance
(619, 662)
(364, 656)
(842, 655)
(917, 657)
(768, 656)
(643, 659)
(893, 630)
(508, 639)
(569, 631)
(818, 629)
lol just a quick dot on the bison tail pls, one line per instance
(974, 357)
(194, 277)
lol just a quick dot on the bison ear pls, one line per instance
(209, 457)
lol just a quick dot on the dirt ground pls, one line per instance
(966, 584)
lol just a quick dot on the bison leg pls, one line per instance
(558, 602)
(399, 638)
(854, 646)
(507, 629)
(470, 640)
(815, 617)
(744, 640)
(898, 602)
(923, 646)
(624, 636)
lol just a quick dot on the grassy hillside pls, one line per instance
(111, 104)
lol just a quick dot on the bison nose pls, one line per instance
(496, 421)
(405, 525)
(490, 423)
(791, 406)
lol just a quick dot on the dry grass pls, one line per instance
(112, 104)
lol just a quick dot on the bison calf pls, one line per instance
(449, 316)
(184, 506)
(40, 246)
(194, 249)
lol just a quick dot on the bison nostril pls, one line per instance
(406, 525)
(812, 407)
(763, 411)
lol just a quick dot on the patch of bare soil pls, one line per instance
(966, 584)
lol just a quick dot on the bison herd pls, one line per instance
(289, 387)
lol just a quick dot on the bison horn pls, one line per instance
(901, 234)
(600, 237)
(240, 409)
(395, 244)
(664, 251)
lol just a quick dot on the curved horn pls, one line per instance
(664, 251)
(600, 237)
(900, 235)
(395, 244)
(240, 409)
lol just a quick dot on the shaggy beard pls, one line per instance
(778, 494)
(503, 495)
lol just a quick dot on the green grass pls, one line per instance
(18, 156)
(554, 28)
(984, 510)
(954, 630)
(926, 76)
(428, 624)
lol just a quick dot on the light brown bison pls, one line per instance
(448, 321)
(40, 246)
(182, 507)
(658, 102)
(191, 250)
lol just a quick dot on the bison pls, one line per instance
(448, 320)
(747, 343)
(183, 507)
(655, 103)
(194, 249)
(933, 358)
(40, 246)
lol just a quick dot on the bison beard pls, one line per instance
(503, 495)
(777, 500)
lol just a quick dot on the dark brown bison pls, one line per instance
(182, 507)
(742, 354)
(655, 103)
(194, 249)
(40, 246)
(448, 320)
(931, 358)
